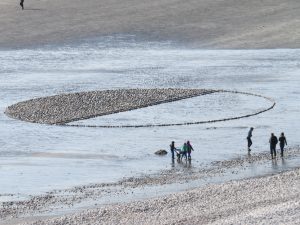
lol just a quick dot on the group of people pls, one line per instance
(273, 142)
(184, 151)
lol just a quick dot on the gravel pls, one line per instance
(69, 198)
(266, 200)
(65, 108)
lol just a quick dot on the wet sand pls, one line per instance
(194, 23)
(267, 200)
(205, 201)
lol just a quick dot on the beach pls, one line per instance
(90, 90)
(267, 200)
(200, 24)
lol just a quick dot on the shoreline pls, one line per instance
(248, 201)
(88, 197)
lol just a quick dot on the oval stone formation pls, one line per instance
(65, 108)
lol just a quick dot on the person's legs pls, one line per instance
(189, 155)
(281, 150)
(274, 149)
(185, 155)
(249, 143)
(271, 151)
(172, 151)
(22, 4)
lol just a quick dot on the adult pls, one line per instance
(22, 4)
(173, 149)
(282, 143)
(249, 138)
(184, 151)
(189, 149)
(273, 142)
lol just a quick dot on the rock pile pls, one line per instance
(65, 108)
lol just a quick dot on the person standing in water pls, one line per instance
(282, 143)
(249, 138)
(189, 149)
(172, 148)
(22, 4)
(273, 142)
(184, 151)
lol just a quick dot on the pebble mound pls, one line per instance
(65, 108)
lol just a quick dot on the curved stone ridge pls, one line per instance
(271, 106)
(65, 108)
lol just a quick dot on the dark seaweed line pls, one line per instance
(188, 123)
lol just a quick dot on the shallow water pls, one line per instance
(37, 158)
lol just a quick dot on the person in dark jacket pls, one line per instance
(273, 142)
(189, 149)
(173, 149)
(282, 143)
(249, 138)
(22, 4)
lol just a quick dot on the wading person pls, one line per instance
(273, 142)
(184, 151)
(22, 4)
(173, 149)
(189, 149)
(249, 138)
(282, 143)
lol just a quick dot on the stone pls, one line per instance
(161, 152)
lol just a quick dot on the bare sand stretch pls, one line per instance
(195, 23)
(266, 200)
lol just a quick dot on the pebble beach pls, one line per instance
(209, 204)
(265, 200)
(121, 80)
